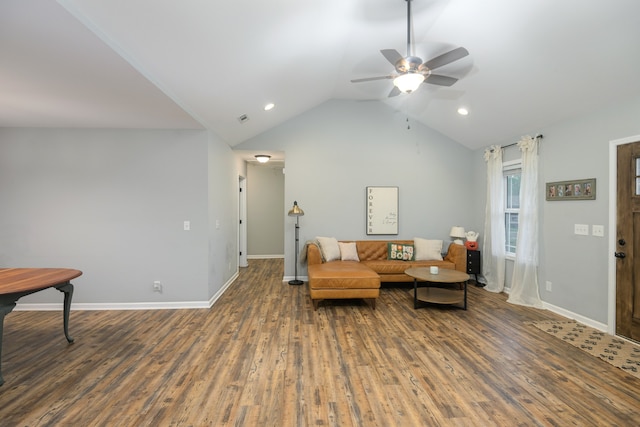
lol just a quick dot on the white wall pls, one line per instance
(334, 151)
(265, 198)
(112, 204)
(575, 149)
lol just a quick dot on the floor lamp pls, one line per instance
(297, 212)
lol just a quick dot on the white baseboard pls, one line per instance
(264, 256)
(222, 290)
(570, 315)
(170, 305)
(577, 317)
(175, 305)
(288, 278)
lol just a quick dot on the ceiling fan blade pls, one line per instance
(446, 58)
(392, 55)
(370, 79)
(394, 92)
(439, 80)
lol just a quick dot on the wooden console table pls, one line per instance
(18, 282)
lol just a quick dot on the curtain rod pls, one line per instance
(538, 136)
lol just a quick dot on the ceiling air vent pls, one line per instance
(243, 118)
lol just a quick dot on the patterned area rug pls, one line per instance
(618, 352)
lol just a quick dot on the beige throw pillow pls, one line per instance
(329, 248)
(427, 250)
(348, 251)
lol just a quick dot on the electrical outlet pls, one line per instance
(581, 229)
(157, 286)
(549, 284)
(597, 230)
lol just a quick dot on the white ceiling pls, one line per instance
(202, 64)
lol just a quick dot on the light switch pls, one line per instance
(581, 229)
(597, 230)
(187, 225)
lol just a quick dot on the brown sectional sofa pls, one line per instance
(353, 279)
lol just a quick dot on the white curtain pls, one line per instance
(524, 283)
(494, 228)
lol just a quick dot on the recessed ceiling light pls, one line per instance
(269, 106)
(463, 111)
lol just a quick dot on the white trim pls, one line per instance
(242, 227)
(569, 314)
(289, 278)
(577, 317)
(613, 209)
(511, 165)
(507, 169)
(114, 306)
(171, 305)
(264, 256)
(223, 289)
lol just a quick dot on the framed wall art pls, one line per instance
(382, 210)
(576, 189)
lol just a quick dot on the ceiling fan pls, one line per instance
(411, 72)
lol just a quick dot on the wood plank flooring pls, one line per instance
(262, 357)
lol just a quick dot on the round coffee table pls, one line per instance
(445, 287)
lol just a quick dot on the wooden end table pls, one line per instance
(445, 287)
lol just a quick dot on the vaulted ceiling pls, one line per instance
(202, 64)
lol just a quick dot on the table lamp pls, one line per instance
(457, 233)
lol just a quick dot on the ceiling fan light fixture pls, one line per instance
(408, 82)
(262, 158)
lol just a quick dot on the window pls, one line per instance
(512, 174)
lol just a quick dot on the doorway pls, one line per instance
(626, 238)
(265, 210)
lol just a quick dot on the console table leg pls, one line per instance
(67, 288)
(4, 310)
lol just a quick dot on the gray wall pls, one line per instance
(265, 198)
(576, 265)
(334, 151)
(112, 204)
(224, 170)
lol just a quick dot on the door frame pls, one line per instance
(613, 212)
(242, 223)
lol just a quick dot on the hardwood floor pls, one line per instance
(262, 357)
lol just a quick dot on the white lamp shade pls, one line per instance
(457, 233)
(408, 82)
